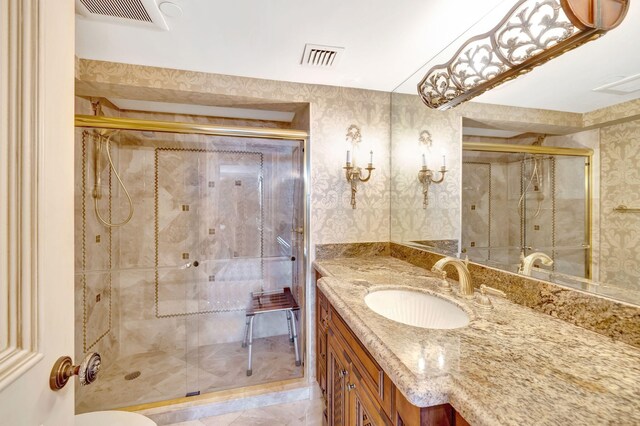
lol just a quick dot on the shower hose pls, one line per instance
(96, 192)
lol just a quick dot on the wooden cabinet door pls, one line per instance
(338, 370)
(321, 342)
(364, 409)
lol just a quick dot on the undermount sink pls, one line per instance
(416, 308)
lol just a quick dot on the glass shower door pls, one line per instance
(245, 217)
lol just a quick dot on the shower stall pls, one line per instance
(522, 199)
(177, 225)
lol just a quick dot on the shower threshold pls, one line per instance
(167, 376)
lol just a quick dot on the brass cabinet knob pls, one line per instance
(64, 369)
(351, 386)
(343, 373)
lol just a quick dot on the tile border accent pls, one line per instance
(85, 347)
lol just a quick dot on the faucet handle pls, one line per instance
(444, 284)
(482, 300)
(493, 291)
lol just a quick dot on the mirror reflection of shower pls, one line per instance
(525, 205)
(533, 183)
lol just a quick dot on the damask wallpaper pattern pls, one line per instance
(441, 219)
(620, 184)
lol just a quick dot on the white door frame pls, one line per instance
(36, 208)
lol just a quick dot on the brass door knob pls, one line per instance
(64, 369)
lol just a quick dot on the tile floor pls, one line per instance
(167, 375)
(300, 413)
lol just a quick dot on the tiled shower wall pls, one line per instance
(208, 218)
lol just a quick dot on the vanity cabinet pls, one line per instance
(355, 389)
(352, 398)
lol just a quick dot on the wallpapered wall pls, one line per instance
(620, 184)
(333, 109)
(441, 219)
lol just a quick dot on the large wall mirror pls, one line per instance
(534, 183)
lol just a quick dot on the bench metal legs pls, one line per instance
(293, 337)
(246, 333)
(289, 326)
(250, 344)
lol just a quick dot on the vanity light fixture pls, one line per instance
(426, 176)
(353, 173)
(532, 33)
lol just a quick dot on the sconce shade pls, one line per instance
(532, 33)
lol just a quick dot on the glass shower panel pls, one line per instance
(247, 216)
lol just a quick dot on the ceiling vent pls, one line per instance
(143, 13)
(317, 56)
(624, 86)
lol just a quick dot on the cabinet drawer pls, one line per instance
(372, 374)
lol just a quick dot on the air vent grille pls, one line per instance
(623, 86)
(321, 56)
(125, 9)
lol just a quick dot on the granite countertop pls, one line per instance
(509, 366)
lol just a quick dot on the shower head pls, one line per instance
(107, 133)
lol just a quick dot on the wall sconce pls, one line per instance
(353, 173)
(532, 33)
(426, 175)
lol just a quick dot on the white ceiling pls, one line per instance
(385, 43)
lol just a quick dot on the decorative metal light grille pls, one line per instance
(532, 32)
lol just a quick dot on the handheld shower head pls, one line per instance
(107, 133)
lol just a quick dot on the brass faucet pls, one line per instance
(526, 263)
(466, 286)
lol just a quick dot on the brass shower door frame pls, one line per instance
(587, 153)
(114, 123)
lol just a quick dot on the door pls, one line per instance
(36, 195)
